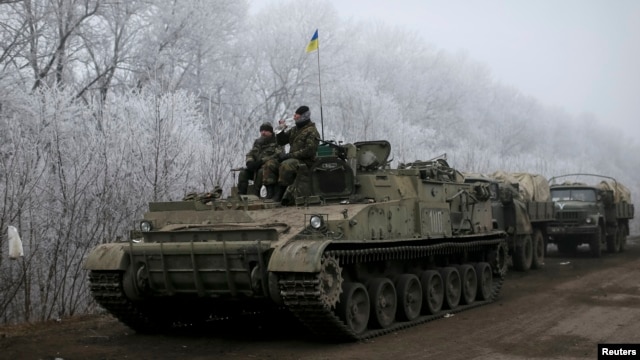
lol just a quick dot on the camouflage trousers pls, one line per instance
(283, 173)
(287, 171)
(270, 172)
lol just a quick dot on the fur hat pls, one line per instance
(302, 109)
(266, 126)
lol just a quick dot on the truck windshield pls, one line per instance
(573, 194)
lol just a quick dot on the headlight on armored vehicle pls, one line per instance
(316, 222)
(145, 226)
(589, 220)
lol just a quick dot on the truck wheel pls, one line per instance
(595, 246)
(623, 237)
(613, 242)
(523, 255)
(538, 250)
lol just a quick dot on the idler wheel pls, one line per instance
(135, 281)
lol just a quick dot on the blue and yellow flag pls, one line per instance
(313, 44)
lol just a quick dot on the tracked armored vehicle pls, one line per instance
(360, 250)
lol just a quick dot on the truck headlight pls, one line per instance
(316, 221)
(589, 220)
(145, 226)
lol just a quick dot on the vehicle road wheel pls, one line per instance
(354, 307)
(409, 297)
(523, 255)
(384, 302)
(485, 281)
(432, 292)
(539, 250)
(452, 287)
(469, 283)
(595, 246)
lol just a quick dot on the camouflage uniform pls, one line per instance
(264, 149)
(303, 148)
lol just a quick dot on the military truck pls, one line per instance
(596, 214)
(521, 206)
(359, 250)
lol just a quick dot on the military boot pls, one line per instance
(279, 193)
(270, 191)
(243, 187)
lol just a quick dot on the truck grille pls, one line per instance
(570, 216)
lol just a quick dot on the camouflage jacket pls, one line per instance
(303, 142)
(263, 149)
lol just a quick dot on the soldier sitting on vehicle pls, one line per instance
(303, 140)
(264, 149)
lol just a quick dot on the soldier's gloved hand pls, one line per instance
(251, 165)
(283, 157)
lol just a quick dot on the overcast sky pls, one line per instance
(581, 55)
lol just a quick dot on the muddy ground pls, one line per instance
(559, 312)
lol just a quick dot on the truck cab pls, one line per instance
(589, 214)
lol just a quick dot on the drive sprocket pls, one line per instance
(331, 280)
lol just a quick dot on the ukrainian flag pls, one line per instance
(313, 44)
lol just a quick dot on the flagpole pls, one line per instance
(320, 87)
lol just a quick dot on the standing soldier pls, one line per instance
(303, 141)
(264, 149)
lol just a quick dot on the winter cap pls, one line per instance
(266, 126)
(302, 109)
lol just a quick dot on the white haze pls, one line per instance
(102, 112)
(579, 55)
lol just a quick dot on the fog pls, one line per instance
(105, 106)
(579, 55)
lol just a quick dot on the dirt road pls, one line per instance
(559, 312)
